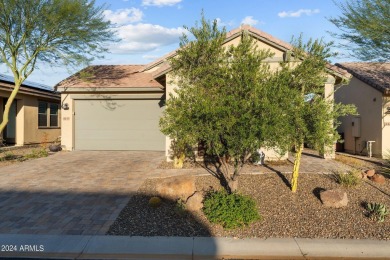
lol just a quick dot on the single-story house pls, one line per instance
(118, 107)
(34, 115)
(369, 90)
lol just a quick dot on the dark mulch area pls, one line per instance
(284, 214)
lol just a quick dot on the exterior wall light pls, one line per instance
(65, 106)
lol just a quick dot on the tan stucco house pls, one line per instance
(118, 107)
(34, 115)
(369, 90)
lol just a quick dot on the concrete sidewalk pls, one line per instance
(117, 247)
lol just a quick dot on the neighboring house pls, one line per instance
(34, 115)
(118, 107)
(369, 90)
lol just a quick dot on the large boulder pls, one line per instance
(334, 198)
(178, 187)
(378, 178)
(195, 202)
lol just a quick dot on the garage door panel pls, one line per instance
(124, 125)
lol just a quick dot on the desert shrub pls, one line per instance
(377, 211)
(180, 208)
(37, 153)
(349, 179)
(7, 156)
(230, 210)
(155, 202)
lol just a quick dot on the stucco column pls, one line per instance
(329, 151)
(20, 122)
(67, 122)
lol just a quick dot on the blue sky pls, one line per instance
(151, 28)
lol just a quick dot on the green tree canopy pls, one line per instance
(57, 32)
(219, 99)
(307, 115)
(230, 99)
(365, 25)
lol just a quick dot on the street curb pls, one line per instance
(123, 247)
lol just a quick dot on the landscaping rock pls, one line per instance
(55, 148)
(179, 187)
(363, 175)
(378, 178)
(370, 173)
(195, 202)
(334, 198)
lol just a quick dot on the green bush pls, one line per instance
(155, 202)
(230, 210)
(37, 153)
(349, 179)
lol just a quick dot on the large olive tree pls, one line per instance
(220, 100)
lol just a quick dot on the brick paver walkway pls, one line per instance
(83, 192)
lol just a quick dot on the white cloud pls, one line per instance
(123, 16)
(140, 38)
(160, 2)
(221, 23)
(249, 20)
(298, 13)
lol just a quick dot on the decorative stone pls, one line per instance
(334, 198)
(378, 178)
(178, 187)
(370, 173)
(363, 175)
(195, 202)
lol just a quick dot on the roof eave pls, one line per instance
(109, 89)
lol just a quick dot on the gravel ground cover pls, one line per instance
(283, 214)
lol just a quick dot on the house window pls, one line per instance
(47, 114)
(54, 115)
(42, 114)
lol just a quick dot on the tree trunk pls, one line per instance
(8, 106)
(297, 162)
(233, 185)
(178, 161)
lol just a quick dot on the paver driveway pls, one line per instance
(80, 192)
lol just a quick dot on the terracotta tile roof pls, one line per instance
(375, 74)
(337, 70)
(260, 34)
(110, 76)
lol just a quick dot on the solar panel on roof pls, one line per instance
(26, 83)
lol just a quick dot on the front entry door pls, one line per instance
(10, 129)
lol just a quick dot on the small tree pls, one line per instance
(58, 32)
(219, 101)
(365, 25)
(307, 114)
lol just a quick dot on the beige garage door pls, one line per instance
(118, 125)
